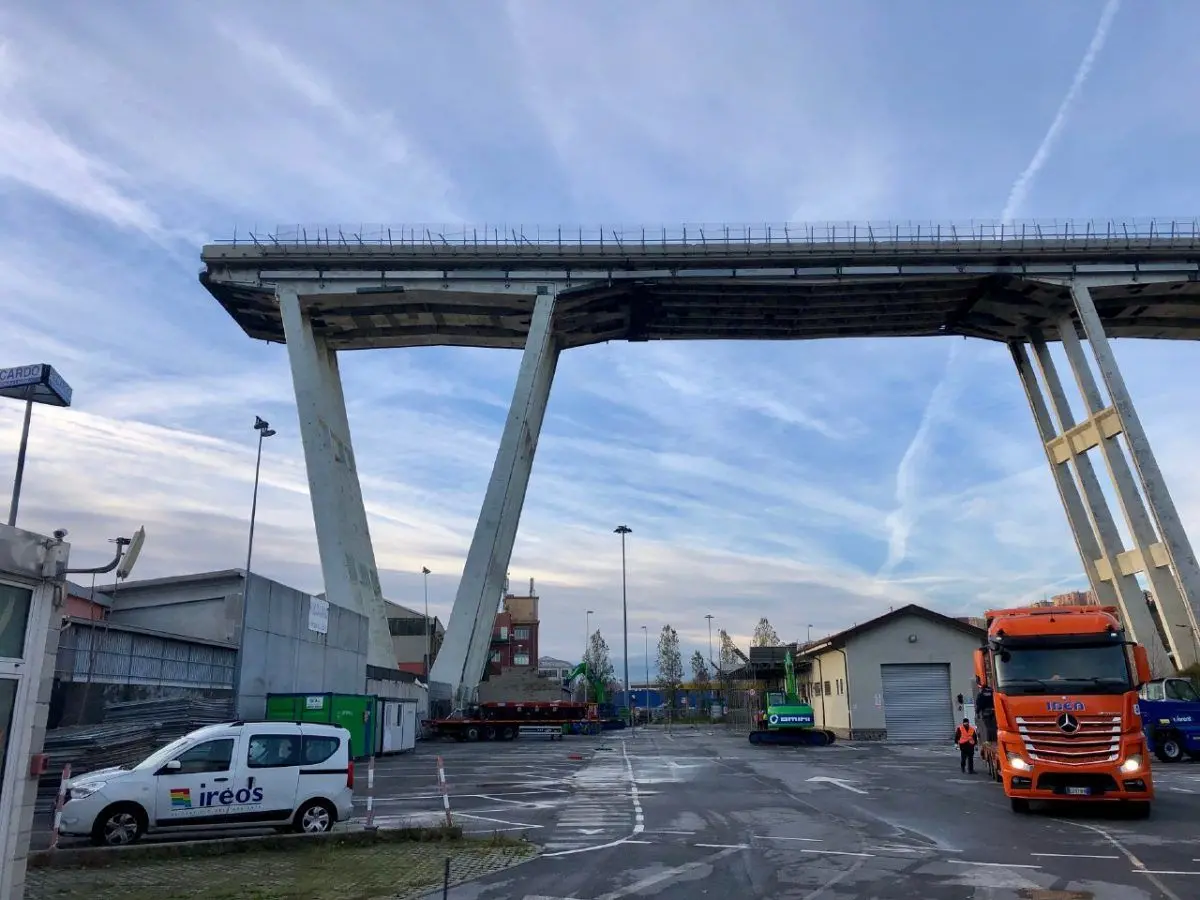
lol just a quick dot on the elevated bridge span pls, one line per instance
(324, 290)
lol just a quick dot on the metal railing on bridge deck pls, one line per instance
(1088, 233)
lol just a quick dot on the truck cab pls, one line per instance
(1058, 698)
(1170, 709)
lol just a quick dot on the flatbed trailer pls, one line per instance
(503, 720)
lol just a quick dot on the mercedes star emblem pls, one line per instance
(1068, 723)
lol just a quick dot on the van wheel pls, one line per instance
(315, 817)
(119, 824)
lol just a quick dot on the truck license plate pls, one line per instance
(1079, 791)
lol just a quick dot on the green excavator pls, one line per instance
(788, 719)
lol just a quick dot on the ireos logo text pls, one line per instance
(182, 798)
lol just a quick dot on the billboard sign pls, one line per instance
(38, 382)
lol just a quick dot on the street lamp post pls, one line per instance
(646, 634)
(264, 431)
(623, 530)
(587, 646)
(709, 617)
(425, 573)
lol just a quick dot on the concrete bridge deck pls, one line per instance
(421, 288)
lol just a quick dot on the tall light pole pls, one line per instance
(587, 646)
(646, 634)
(425, 573)
(264, 431)
(623, 530)
(711, 662)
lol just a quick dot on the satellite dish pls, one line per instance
(131, 555)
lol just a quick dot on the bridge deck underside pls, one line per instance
(992, 307)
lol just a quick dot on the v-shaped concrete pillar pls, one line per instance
(461, 660)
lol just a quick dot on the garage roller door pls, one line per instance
(916, 702)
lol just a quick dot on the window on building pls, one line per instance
(520, 659)
(840, 687)
(504, 632)
(816, 689)
(495, 656)
(827, 689)
(521, 632)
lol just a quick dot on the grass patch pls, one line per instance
(388, 865)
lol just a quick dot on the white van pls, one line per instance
(237, 775)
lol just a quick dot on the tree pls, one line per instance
(699, 670)
(764, 634)
(729, 657)
(597, 658)
(670, 664)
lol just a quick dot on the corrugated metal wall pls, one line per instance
(112, 655)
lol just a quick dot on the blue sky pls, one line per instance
(814, 483)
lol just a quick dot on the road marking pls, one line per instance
(657, 831)
(1164, 872)
(632, 841)
(971, 862)
(1138, 865)
(463, 815)
(639, 824)
(840, 853)
(772, 837)
(639, 887)
(1075, 855)
(825, 779)
(724, 846)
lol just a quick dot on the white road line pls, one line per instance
(1075, 855)
(771, 837)
(839, 853)
(971, 862)
(639, 887)
(632, 841)
(1163, 872)
(1138, 865)
(656, 831)
(462, 815)
(723, 846)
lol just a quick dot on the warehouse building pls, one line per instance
(897, 677)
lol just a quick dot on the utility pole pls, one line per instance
(425, 573)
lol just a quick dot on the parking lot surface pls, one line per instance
(708, 814)
(701, 812)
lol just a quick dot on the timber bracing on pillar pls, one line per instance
(463, 655)
(1163, 556)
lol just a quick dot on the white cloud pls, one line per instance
(760, 479)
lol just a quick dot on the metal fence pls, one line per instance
(1166, 231)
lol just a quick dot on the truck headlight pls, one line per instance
(1018, 762)
(83, 791)
(1133, 762)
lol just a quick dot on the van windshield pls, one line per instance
(1086, 669)
(162, 754)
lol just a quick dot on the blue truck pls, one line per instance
(1170, 710)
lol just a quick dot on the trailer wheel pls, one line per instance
(472, 733)
(489, 733)
(1019, 804)
(507, 734)
(1168, 747)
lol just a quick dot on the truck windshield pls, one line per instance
(1090, 669)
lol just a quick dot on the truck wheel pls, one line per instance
(472, 733)
(489, 733)
(1169, 748)
(1138, 809)
(1019, 804)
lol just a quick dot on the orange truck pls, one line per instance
(1057, 707)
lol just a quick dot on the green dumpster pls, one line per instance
(354, 712)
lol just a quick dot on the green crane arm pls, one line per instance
(790, 672)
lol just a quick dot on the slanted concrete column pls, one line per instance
(343, 537)
(1071, 444)
(1180, 608)
(1078, 519)
(463, 656)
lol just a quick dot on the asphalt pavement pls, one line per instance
(705, 814)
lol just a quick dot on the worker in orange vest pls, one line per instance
(966, 739)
